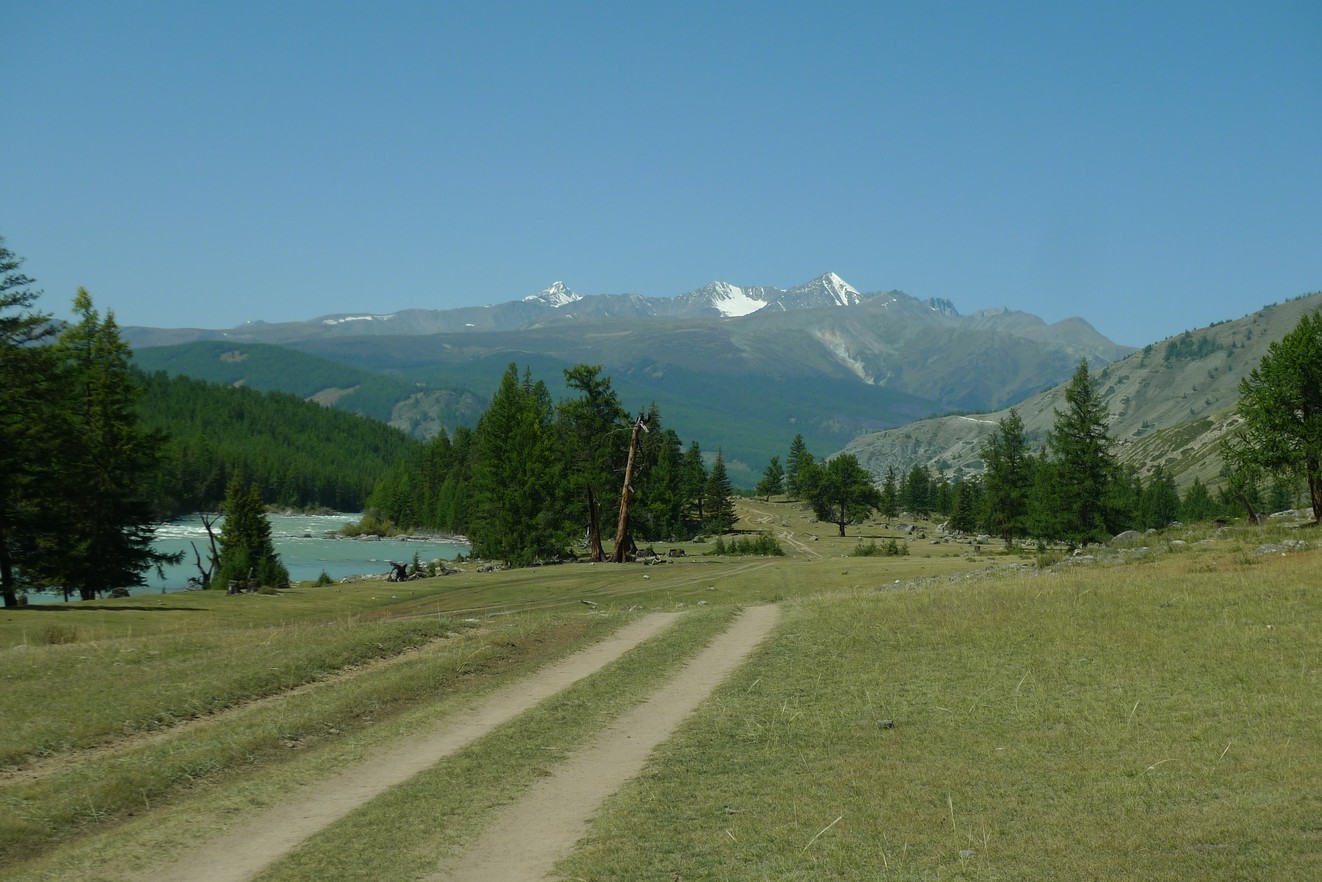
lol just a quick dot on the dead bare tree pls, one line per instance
(623, 541)
(213, 559)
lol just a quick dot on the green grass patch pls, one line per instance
(102, 790)
(1142, 723)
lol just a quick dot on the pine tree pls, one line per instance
(889, 506)
(964, 508)
(107, 459)
(28, 433)
(594, 428)
(796, 466)
(1160, 501)
(773, 480)
(718, 499)
(1280, 408)
(247, 552)
(1084, 466)
(916, 491)
(1197, 504)
(840, 491)
(693, 480)
(518, 499)
(1007, 480)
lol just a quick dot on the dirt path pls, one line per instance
(767, 519)
(244, 851)
(525, 841)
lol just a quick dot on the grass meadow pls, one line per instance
(939, 715)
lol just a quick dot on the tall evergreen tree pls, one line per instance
(964, 508)
(1007, 480)
(27, 429)
(693, 480)
(519, 513)
(658, 508)
(718, 499)
(773, 480)
(594, 427)
(916, 491)
(889, 506)
(1280, 409)
(796, 466)
(1084, 466)
(247, 552)
(1160, 501)
(108, 459)
(1198, 504)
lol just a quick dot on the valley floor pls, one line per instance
(946, 714)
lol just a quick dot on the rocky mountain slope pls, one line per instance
(1170, 404)
(743, 368)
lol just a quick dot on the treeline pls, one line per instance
(297, 454)
(536, 479)
(1071, 491)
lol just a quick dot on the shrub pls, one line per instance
(872, 549)
(325, 579)
(764, 544)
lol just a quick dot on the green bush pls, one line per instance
(370, 525)
(872, 549)
(764, 544)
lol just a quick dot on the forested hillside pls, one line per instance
(296, 452)
(418, 408)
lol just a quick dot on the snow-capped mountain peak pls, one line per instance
(731, 300)
(844, 293)
(557, 295)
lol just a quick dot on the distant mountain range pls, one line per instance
(743, 368)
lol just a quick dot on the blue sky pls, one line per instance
(1149, 166)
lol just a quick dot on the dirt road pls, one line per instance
(243, 852)
(526, 840)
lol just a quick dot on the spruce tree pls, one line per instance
(916, 491)
(1198, 504)
(718, 499)
(247, 551)
(519, 512)
(693, 480)
(889, 505)
(840, 491)
(107, 460)
(773, 480)
(28, 431)
(1084, 467)
(1160, 500)
(1280, 409)
(594, 430)
(796, 466)
(1007, 480)
(964, 508)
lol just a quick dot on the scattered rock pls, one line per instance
(1126, 537)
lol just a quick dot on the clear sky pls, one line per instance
(1150, 166)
